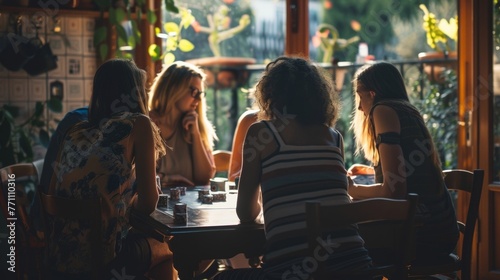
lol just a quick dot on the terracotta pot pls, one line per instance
(230, 71)
(434, 70)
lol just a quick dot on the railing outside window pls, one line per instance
(437, 100)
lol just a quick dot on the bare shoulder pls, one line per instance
(384, 111)
(257, 128)
(142, 125)
(385, 119)
(248, 117)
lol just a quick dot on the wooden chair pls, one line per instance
(17, 190)
(76, 209)
(393, 221)
(466, 182)
(221, 158)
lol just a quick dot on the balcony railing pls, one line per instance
(226, 105)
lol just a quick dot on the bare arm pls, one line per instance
(391, 160)
(248, 206)
(203, 160)
(246, 119)
(144, 154)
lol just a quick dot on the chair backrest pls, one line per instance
(472, 183)
(395, 213)
(16, 176)
(221, 158)
(76, 209)
(18, 184)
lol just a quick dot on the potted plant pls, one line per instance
(441, 36)
(219, 30)
(327, 39)
(16, 139)
(172, 38)
(123, 18)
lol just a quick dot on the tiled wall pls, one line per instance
(76, 65)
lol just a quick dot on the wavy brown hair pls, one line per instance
(293, 85)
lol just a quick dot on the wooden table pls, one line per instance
(213, 231)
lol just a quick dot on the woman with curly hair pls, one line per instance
(178, 107)
(291, 155)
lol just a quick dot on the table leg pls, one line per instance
(185, 266)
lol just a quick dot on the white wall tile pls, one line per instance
(4, 91)
(60, 71)
(57, 44)
(89, 67)
(87, 84)
(74, 67)
(18, 89)
(37, 90)
(75, 45)
(88, 26)
(18, 74)
(88, 46)
(73, 26)
(74, 90)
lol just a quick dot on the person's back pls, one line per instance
(290, 156)
(116, 149)
(95, 162)
(303, 168)
(438, 233)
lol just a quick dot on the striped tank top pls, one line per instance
(291, 176)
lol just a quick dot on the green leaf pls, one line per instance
(37, 123)
(122, 34)
(6, 128)
(185, 45)
(55, 105)
(103, 51)
(132, 42)
(43, 135)
(120, 15)
(127, 55)
(25, 144)
(102, 4)
(170, 5)
(136, 32)
(154, 52)
(100, 35)
(121, 43)
(169, 58)
(151, 17)
(171, 27)
(12, 110)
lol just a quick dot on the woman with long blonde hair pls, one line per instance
(392, 134)
(178, 107)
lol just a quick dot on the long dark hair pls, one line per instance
(119, 86)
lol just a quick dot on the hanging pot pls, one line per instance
(225, 72)
(17, 52)
(438, 63)
(42, 62)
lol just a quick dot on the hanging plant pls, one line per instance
(16, 140)
(125, 19)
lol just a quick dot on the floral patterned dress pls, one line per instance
(93, 162)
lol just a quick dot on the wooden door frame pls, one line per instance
(475, 54)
